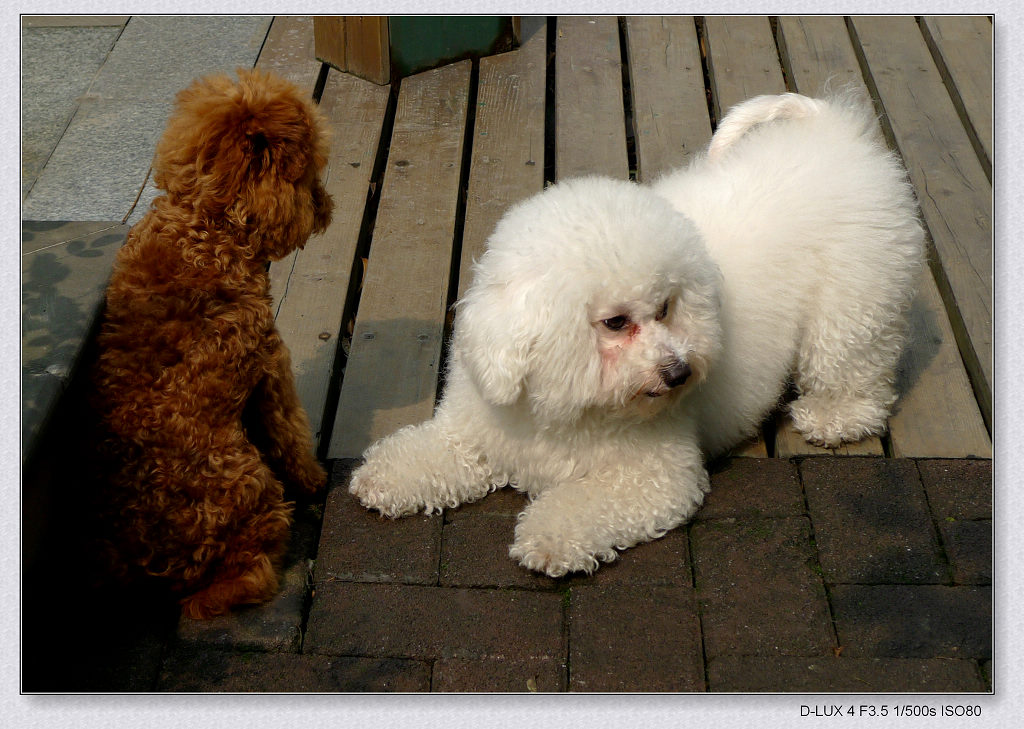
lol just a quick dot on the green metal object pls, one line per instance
(422, 42)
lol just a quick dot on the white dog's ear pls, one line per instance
(521, 341)
(492, 341)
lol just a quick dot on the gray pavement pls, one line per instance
(96, 94)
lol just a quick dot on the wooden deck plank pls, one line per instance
(508, 139)
(962, 48)
(311, 300)
(953, 191)
(670, 111)
(590, 123)
(934, 414)
(288, 51)
(817, 54)
(391, 377)
(742, 60)
(937, 415)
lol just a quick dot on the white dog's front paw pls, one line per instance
(382, 494)
(556, 556)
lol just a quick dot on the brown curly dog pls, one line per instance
(200, 420)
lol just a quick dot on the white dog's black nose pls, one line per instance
(675, 373)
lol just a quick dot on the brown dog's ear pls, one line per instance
(245, 152)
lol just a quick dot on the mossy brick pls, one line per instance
(841, 674)
(914, 621)
(362, 545)
(412, 621)
(752, 487)
(213, 670)
(634, 638)
(958, 489)
(871, 521)
(495, 675)
(759, 588)
(474, 553)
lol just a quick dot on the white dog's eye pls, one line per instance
(616, 323)
(663, 313)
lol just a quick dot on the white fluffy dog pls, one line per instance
(615, 335)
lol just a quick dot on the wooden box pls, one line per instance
(380, 48)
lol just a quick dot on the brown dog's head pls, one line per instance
(248, 154)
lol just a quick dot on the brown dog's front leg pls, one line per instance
(289, 441)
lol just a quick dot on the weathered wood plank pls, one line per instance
(817, 54)
(937, 415)
(508, 139)
(953, 191)
(288, 51)
(391, 376)
(357, 44)
(753, 448)
(742, 60)
(590, 128)
(670, 111)
(934, 415)
(962, 48)
(311, 298)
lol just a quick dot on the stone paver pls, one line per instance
(498, 675)
(630, 638)
(474, 553)
(58, 64)
(969, 546)
(958, 489)
(960, 497)
(759, 589)
(753, 487)
(361, 545)
(830, 674)
(914, 621)
(871, 521)
(99, 166)
(665, 561)
(208, 670)
(412, 621)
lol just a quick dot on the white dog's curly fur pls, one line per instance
(615, 335)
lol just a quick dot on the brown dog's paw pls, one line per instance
(255, 584)
(308, 476)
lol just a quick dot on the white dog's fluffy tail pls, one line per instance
(759, 110)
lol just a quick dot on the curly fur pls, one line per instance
(200, 419)
(616, 335)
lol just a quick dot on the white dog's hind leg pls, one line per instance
(421, 468)
(574, 526)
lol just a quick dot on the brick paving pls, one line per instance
(815, 575)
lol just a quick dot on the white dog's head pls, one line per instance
(593, 294)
